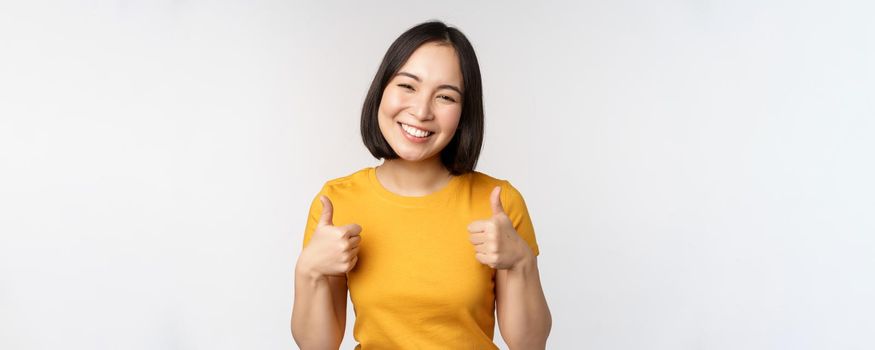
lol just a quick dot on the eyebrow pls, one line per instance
(443, 86)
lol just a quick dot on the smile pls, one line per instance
(415, 132)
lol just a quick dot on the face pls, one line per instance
(422, 103)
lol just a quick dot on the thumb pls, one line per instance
(495, 198)
(327, 212)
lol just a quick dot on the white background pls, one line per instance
(699, 173)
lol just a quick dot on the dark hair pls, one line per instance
(461, 153)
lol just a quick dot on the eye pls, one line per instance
(447, 98)
(406, 86)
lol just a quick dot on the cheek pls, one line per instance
(450, 118)
(390, 105)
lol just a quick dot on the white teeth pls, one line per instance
(414, 131)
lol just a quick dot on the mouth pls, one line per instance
(415, 132)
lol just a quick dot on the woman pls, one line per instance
(428, 248)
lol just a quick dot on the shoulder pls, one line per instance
(484, 183)
(352, 180)
(341, 187)
(482, 179)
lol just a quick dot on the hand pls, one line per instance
(333, 250)
(495, 241)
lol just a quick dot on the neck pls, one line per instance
(413, 178)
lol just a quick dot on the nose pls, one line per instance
(420, 107)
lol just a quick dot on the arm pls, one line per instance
(319, 311)
(506, 242)
(330, 252)
(523, 316)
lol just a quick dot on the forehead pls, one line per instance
(435, 62)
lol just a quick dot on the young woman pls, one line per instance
(428, 248)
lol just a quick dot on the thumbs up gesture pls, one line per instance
(333, 250)
(495, 240)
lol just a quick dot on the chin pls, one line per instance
(412, 156)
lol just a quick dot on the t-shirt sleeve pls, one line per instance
(515, 207)
(313, 217)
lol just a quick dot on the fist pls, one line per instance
(496, 242)
(333, 250)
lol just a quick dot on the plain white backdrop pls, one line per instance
(699, 173)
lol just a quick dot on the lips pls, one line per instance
(411, 138)
(414, 131)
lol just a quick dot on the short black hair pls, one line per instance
(460, 155)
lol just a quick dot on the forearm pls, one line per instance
(525, 314)
(314, 321)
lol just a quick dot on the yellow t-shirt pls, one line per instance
(417, 283)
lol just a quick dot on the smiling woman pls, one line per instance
(430, 72)
(426, 90)
(428, 249)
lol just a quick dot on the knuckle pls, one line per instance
(333, 230)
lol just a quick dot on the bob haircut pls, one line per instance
(460, 155)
